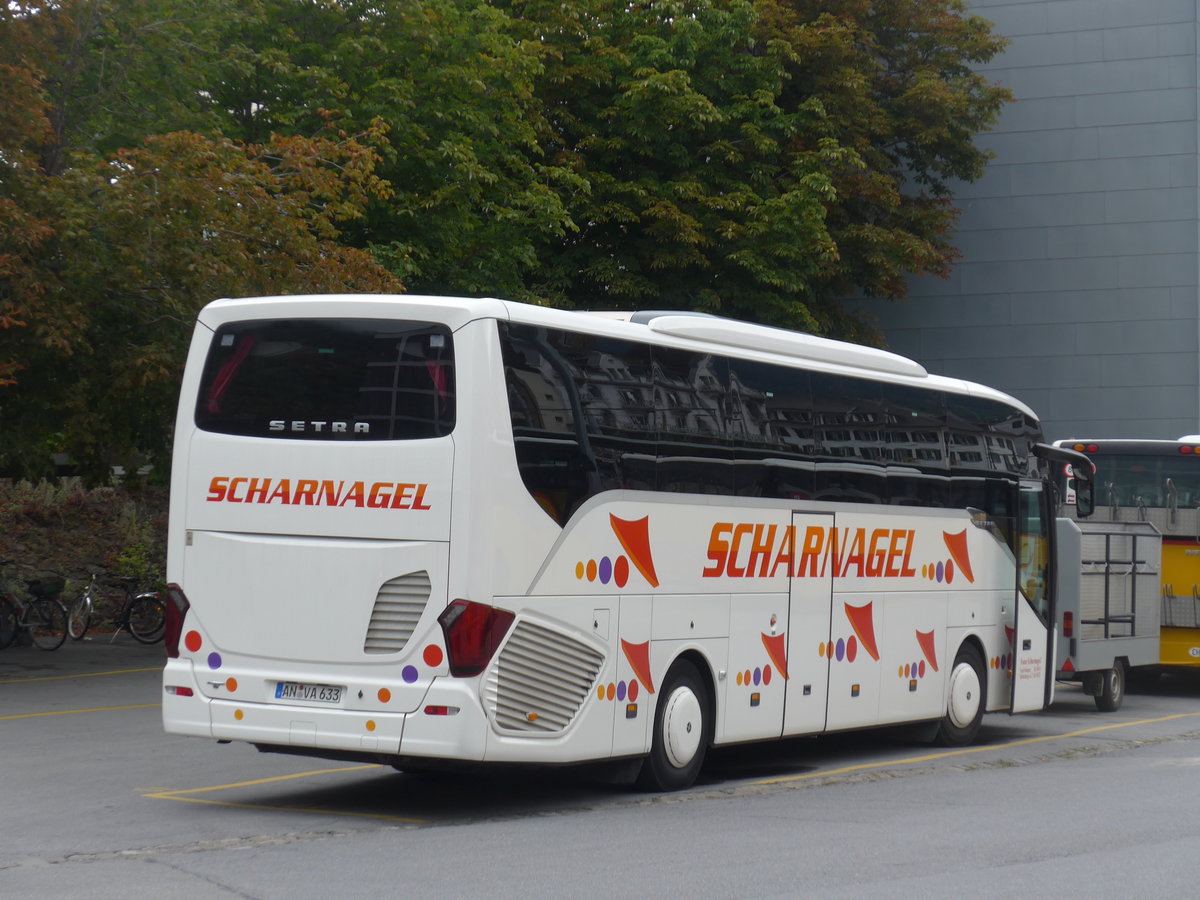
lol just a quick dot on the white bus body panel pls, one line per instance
(803, 616)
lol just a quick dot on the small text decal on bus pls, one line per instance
(311, 492)
(746, 550)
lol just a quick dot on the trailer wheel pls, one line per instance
(1112, 691)
(966, 699)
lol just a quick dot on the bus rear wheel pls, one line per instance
(682, 730)
(966, 699)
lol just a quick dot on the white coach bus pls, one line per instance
(422, 531)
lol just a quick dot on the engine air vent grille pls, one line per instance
(541, 679)
(398, 608)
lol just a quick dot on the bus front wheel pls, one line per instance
(966, 699)
(682, 729)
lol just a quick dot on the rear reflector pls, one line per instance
(179, 691)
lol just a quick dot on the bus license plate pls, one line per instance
(308, 693)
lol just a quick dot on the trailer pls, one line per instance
(1109, 577)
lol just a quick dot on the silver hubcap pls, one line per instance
(682, 726)
(964, 695)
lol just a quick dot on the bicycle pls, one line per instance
(43, 617)
(142, 614)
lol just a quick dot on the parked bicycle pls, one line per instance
(42, 617)
(142, 613)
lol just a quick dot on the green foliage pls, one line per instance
(756, 158)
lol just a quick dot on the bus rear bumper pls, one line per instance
(449, 725)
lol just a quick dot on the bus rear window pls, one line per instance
(329, 380)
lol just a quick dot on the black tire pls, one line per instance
(966, 699)
(682, 731)
(146, 618)
(1112, 689)
(47, 621)
(79, 619)
(8, 622)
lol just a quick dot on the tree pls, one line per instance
(896, 82)
(472, 195)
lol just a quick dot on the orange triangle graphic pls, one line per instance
(635, 540)
(639, 659)
(925, 639)
(957, 545)
(863, 623)
(777, 649)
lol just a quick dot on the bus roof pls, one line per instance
(675, 328)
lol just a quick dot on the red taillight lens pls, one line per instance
(473, 632)
(1068, 624)
(177, 606)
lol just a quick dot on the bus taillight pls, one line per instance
(177, 606)
(1068, 624)
(473, 632)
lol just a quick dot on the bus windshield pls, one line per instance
(1132, 479)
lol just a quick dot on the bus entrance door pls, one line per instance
(1033, 660)
(810, 601)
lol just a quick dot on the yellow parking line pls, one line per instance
(71, 712)
(80, 675)
(185, 796)
(929, 757)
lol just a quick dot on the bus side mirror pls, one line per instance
(1082, 470)
(1085, 497)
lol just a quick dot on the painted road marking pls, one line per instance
(186, 795)
(80, 675)
(964, 751)
(71, 712)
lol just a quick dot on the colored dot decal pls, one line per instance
(900, 672)
(746, 676)
(432, 656)
(409, 674)
(579, 570)
(214, 660)
(621, 691)
(605, 570)
(237, 714)
(851, 648)
(633, 689)
(384, 695)
(1004, 661)
(591, 570)
(949, 571)
(766, 674)
(599, 692)
(840, 651)
(231, 684)
(821, 649)
(612, 690)
(757, 677)
(621, 571)
(940, 572)
(907, 670)
(192, 641)
(925, 570)
(739, 679)
(921, 669)
(370, 724)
